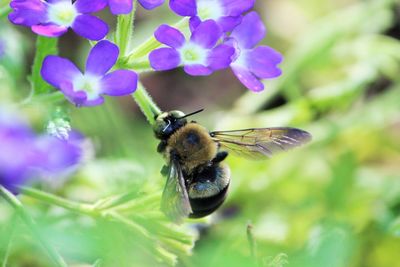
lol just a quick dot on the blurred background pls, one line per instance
(332, 203)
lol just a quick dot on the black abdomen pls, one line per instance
(204, 206)
(207, 189)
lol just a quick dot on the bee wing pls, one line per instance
(260, 143)
(175, 200)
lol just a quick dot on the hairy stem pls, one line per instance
(27, 219)
(150, 44)
(124, 31)
(146, 104)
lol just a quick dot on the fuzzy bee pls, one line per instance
(197, 177)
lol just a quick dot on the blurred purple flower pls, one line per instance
(199, 55)
(251, 63)
(227, 13)
(25, 156)
(87, 89)
(54, 17)
(125, 6)
(2, 48)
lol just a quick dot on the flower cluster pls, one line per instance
(25, 155)
(223, 33)
(221, 37)
(53, 18)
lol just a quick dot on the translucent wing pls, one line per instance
(175, 201)
(260, 143)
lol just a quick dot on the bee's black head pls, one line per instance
(168, 122)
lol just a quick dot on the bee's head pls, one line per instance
(168, 122)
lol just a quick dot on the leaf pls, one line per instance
(44, 46)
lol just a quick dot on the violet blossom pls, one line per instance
(125, 6)
(252, 63)
(53, 18)
(227, 13)
(199, 56)
(86, 89)
(25, 156)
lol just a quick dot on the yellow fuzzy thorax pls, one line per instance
(193, 144)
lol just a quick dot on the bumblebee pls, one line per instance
(197, 178)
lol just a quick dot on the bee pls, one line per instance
(197, 178)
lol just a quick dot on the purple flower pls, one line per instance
(125, 6)
(54, 17)
(252, 63)
(227, 13)
(86, 89)
(199, 55)
(2, 48)
(25, 156)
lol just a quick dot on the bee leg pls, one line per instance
(220, 157)
(162, 146)
(164, 170)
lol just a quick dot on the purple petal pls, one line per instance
(119, 82)
(57, 70)
(90, 27)
(263, 60)
(90, 6)
(248, 79)
(120, 6)
(77, 98)
(250, 32)
(102, 58)
(229, 23)
(237, 7)
(197, 70)
(206, 34)
(170, 36)
(27, 12)
(164, 59)
(220, 57)
(57, 155)
(184, 7)
(50, 30)
(150, 4)
(194, 22)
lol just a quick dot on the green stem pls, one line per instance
(146, 104)
(6, 239)
(149, 45)
(124, 31)
(109, 215)
(27, 219)
(56, 200)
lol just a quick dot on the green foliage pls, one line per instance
(44, 46)
(333, 203)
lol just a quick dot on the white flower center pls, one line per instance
(193, 54)
(89, 84)
(209, 9)
(241, 59)
(62, 13)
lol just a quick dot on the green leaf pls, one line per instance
(44, 46)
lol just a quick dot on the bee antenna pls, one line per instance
(190, 114)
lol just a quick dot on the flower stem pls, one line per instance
(146, 104)
(124, 31)
(56, 200)
(27, 219)
(149, 45)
